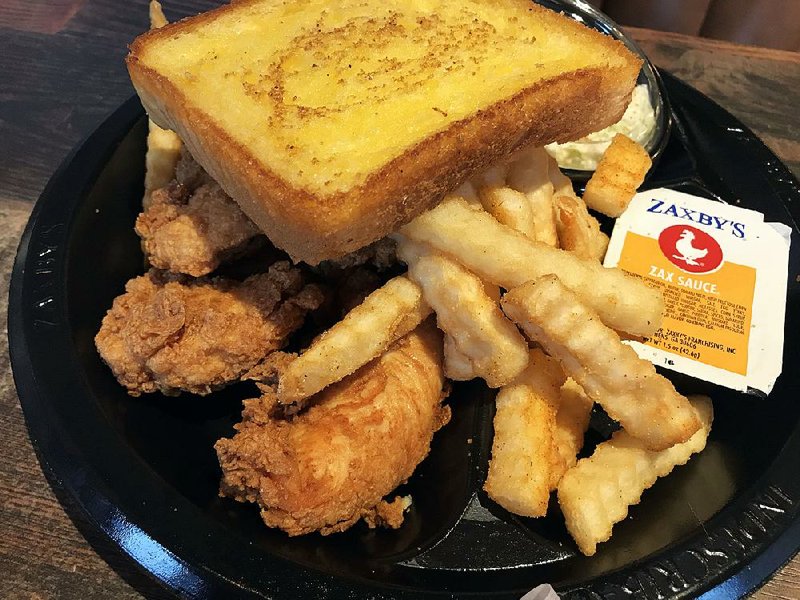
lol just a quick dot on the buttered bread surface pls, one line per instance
(325, 94)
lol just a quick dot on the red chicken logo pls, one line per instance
(690, 249)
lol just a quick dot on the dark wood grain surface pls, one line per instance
(61, 74)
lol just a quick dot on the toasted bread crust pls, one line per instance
(313, 227)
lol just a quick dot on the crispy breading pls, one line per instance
(332, 464)
(193, 233)
(168, 334)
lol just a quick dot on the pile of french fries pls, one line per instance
(510, 264)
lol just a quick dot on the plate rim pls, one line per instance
(751, 573)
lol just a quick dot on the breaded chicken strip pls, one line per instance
(334, 463)
(191, 226)
(170, 335)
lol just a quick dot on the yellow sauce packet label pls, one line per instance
(722, 271)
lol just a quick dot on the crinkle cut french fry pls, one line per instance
(518, 477)
(596, 493)
(578, 231)
(468, 315)
(619, 173)
(562, 185)
(468, 192)
(610, 372)
(528, 174)
(493, 177)
(545, 375)
(163, 145)
(386, 315)
(519, 470)
(499, 254)
(544, 219)
(572, 421)
(457, 365)
(157, 18)
(163, 153)
(412, 251)
(510, 207)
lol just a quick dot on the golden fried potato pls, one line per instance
(562, 185)
(578, 231)
(468, 192)
(472, 319)
(619, 174)
(386, 315)
(163, 145)
(519, 470)
(544, 374)
(504, 257)
(157, 18)
(610, 372)
(544, 219)
(528, 171)
(163, 152)
(519, 473)
(572, 421)
(510, 207)
(457, 365)
(528, 174)
(596, 493)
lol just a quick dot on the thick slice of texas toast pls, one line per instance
(333, 122)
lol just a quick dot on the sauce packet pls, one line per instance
(723, 273)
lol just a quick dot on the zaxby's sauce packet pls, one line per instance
(723, 273)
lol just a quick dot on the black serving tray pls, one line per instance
(144, 470)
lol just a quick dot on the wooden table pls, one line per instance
(61, 73)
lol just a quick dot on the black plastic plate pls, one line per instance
(144, 470)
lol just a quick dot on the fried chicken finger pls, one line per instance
(333, 464)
